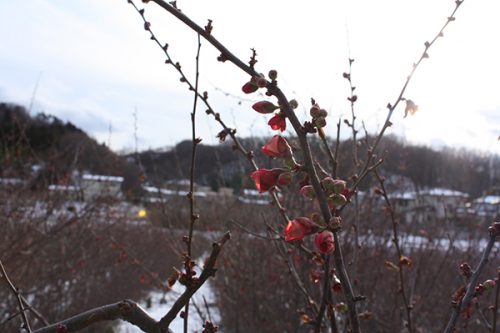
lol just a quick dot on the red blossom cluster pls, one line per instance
(267, 179)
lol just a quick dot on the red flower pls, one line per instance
(324, 242)
(264, 107)
(277, 147)
(266, 179)
(298, 228)
(278, 122)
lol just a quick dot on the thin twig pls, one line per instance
(257, 235)
(495, 310)
(194, 141)
(399, 253)
(296, 278)
(329, 152)
(336, 154)
(352, 99)
(208, 271)
(18, 295)
(326, 294)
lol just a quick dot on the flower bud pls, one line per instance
(316, 275)
(285, 179)
(341, 307)
(314, 111)
(328, 184)
(61, 329)
(308, 191)
(339, 186)
(489, 284)
(405, 261)
(336, 285)
(264, 107)
(466, 270)
(249, 88)
(339, 200)
(323, 113)
(335, 222)
(273, 74)
(320, 122)
(494, 229)
(316, 217)
(293, 104)
(261, 82)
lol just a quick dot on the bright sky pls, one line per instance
(95, 65)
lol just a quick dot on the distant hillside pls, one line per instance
(423, 166)
(55, 149)
(58, 148)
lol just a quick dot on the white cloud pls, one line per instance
(98, 63)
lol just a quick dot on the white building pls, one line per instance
(429, 204)
(486, 206)
(101, 186)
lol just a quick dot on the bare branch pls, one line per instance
(208, 271)
(126, 310)
(18, 295)
(466, 300)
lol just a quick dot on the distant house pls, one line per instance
(486, 206)
(99, 186)
(179, 184)
(69, 192)
(253, 197)
(12, 182)
(425, 205)
(185, 185)
(159, 195)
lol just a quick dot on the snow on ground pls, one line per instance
(161, 303)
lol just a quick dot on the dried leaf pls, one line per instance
(410, 108)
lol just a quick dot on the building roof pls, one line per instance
(488, 199)
(434, 192)
(70, 188)
(11, 181)
(444, 192)
(102, 178)
(164, 191)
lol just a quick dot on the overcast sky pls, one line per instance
(95, 65)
